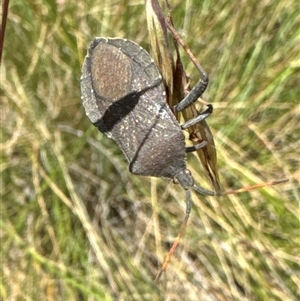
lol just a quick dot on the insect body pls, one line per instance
(124, 96)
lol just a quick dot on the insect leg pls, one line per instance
(200, 87)
(195, 93)
(195, 147)
(198, 118)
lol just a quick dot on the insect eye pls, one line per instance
(175, 181)
(188, 172)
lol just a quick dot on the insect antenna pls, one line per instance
(189, 204)
(253, 187)
(203, 191)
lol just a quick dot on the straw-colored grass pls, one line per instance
(76, 225)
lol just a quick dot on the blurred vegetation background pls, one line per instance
(76, 225)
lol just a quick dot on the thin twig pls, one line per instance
(3, 25)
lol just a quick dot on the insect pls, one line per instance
(124, 96)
